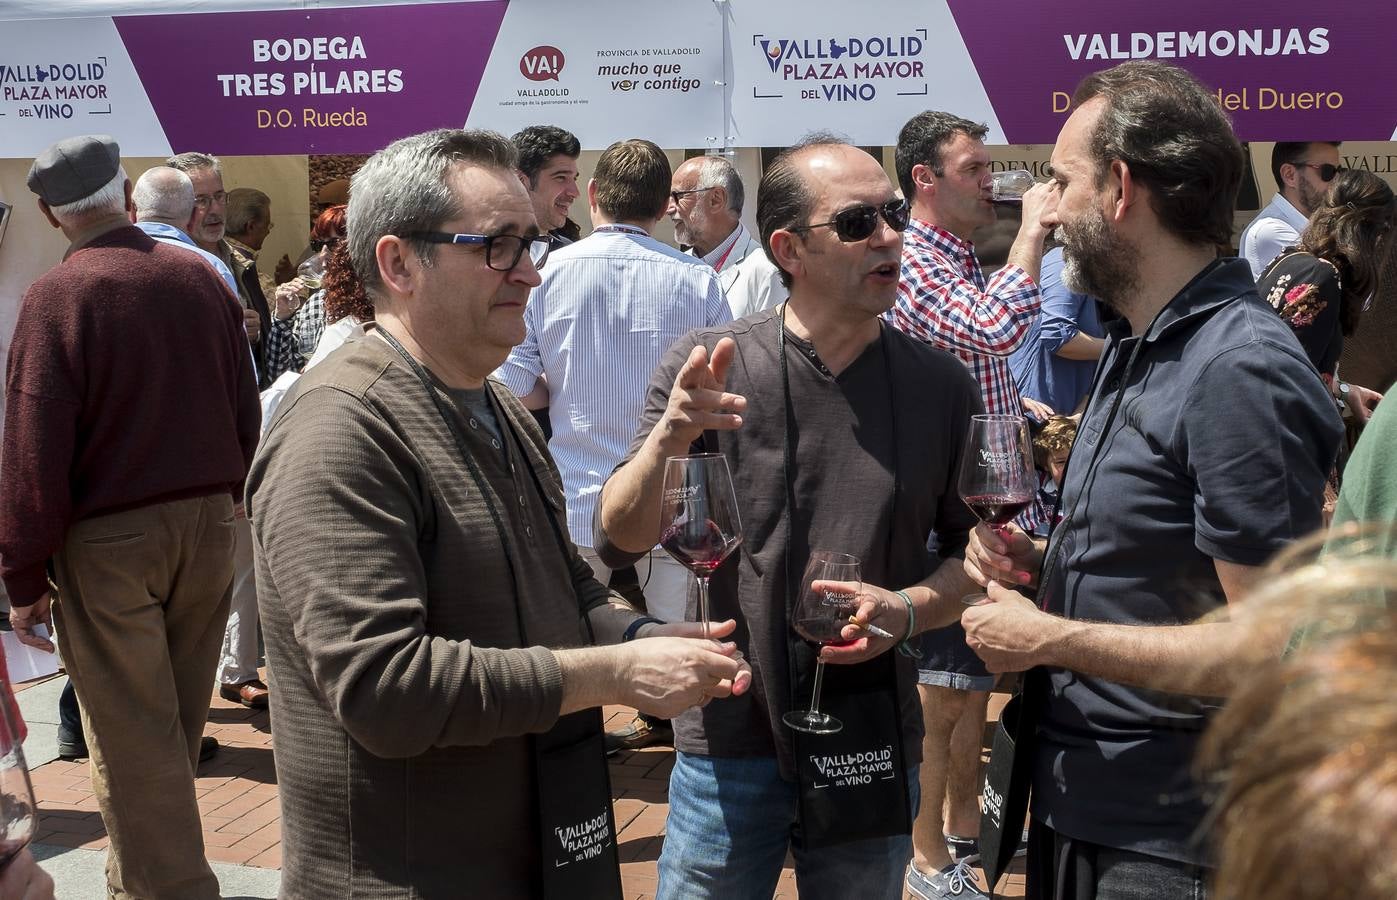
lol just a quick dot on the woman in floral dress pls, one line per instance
(1322, 286)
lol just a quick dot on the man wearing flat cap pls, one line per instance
(131, 416)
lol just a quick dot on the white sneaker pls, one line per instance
(954, 881)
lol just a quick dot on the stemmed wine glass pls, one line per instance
(699, 524)
(820, 617)
(17, 812)
(996, 471)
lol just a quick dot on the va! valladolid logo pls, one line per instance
(541, 64)
(845, 69)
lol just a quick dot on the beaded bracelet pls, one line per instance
(905, 647)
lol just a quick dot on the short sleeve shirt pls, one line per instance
(1218, 449)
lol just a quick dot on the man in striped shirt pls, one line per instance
(944, 299)
(608, 308)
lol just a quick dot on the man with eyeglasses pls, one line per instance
(705, 205)
(945, 299)
(843, 434)
(595, 328)
(428, 621)
(207, 226)
(1303, 170)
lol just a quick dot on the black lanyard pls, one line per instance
(789, 482)
(1053, 553)
(479, 479)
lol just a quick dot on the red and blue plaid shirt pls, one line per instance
(944, 300)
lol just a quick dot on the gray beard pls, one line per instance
(1098, 263)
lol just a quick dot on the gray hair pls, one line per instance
(717, 171)
(245, 206)
(193, 161)
(110, 198)
(164, 194)
(402, 189)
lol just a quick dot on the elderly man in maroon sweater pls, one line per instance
(131, 417)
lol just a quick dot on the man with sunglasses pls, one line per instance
(595, 328)
(705, 205)
(427, 620)
(945, 300)
(852, 444)
(1303, 170)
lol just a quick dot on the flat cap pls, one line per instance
(74, 168)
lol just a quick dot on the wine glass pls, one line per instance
(1010, 186)
(17, 811)
(699, 524)
(996, 470)
(820, 617)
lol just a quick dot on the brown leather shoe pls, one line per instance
(252, 694)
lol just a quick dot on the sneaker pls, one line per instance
(71, 746)
(954, 881)
(641, 732)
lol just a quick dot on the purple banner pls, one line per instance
(1283, 71)
(312, 81)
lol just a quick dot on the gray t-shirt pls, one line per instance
(850, 436)
(474, 406)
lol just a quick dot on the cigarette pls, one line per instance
(871, 628)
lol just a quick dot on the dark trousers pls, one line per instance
(69, 716)
(1064, 868)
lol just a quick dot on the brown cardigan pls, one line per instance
(401, 695)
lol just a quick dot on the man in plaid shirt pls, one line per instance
(945, 300)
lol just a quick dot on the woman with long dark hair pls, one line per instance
(1322, 286)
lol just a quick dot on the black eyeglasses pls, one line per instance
(502, 251)
(1326, 171)
(859, 222)
(676, 196)
(317, 245)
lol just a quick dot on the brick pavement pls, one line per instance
(238, 801)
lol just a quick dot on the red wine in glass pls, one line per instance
(699, 523)
(997, 509)
(996, 469)
(820, 616)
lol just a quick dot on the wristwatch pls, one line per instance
(1342, 398)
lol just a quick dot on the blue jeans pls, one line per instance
(729, 829)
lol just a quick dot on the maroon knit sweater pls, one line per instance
(129, 383)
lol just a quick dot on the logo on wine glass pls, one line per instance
(991, 459)
(681, 494)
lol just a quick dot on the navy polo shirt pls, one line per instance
(1219, 450)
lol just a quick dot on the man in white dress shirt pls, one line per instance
(705, 205)
(1303, 171)
(608, 308)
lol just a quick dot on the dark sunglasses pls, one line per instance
(502, 251)
(317, 245)
(676, 196)
(859, 222)
(1326, 171)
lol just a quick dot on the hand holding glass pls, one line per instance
(820, 617)
(699, 524)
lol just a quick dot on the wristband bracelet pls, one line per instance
(905, 647)
(635, 627)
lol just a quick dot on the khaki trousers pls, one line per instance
(142, 602)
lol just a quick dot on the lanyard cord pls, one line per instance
(477, 477)
(787, 481)
(1054, 550)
